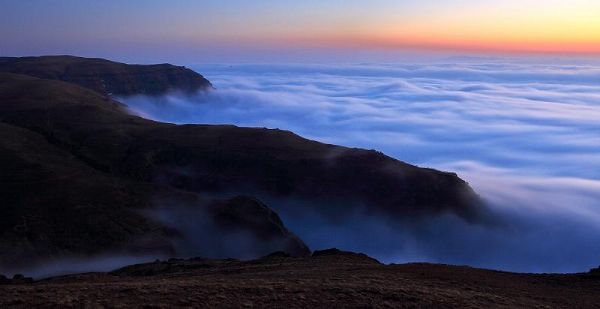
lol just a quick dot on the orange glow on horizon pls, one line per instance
(504, 46)
(515, 27)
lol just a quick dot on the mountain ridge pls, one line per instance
(109, 77)
(136, 159)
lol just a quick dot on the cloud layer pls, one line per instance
(525, 135)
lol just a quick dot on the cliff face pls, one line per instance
(77, 169)
(108, 77)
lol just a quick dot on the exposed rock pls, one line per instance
(194, 265)
(332, 251)
(276, 254)
(249, 214)
(344, 255)
(16, 279)
(19, 278)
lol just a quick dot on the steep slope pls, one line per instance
(55, 204)
(108, 77)
(228, 159)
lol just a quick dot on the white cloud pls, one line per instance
(526, 136)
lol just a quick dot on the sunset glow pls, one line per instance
(525, 26)
(189, 26)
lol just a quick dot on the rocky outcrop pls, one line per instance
(199, 264)
(108, 77)
(16, 279)
(344, 256)
(247, 214)
(595, 271)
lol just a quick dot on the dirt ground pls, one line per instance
(333, 280)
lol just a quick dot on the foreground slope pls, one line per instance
(327, 279)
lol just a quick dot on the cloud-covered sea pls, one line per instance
(525, 135)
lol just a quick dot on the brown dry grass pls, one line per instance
(325, 281)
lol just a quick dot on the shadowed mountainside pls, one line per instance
(329, 278)
(108, 77)
(55, 204)
(222, 158)
(80, 173)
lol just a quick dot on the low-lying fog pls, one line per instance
(526, 136)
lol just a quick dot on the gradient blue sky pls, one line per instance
(231, 30)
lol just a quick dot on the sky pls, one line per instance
(233, 30)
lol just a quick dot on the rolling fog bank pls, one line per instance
(524, 135)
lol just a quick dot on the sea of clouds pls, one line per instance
(524, 134)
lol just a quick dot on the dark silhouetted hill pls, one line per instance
(79, 173)
(108, 77)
